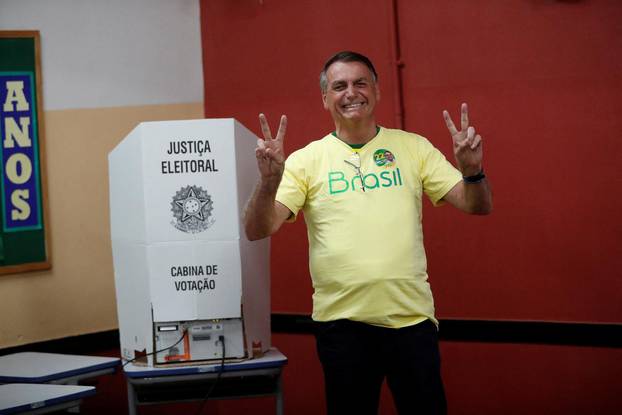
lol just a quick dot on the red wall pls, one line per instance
(543, 79)
(544, 82)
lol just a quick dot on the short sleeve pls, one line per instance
(438, 175)
(292, 191)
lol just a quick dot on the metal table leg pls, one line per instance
(279, 394)
(131, 399)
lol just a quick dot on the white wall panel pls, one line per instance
(113, 53)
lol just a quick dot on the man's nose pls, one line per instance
(350, 90)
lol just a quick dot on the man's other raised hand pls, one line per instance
(467, 145)
(269, 152)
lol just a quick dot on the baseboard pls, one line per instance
(494, 331)
(480, 331)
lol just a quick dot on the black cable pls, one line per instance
(221, 338)
(157, 351)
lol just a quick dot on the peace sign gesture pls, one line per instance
(467, 145)
(269, 151)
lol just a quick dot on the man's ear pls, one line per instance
(324, 100)
(377, 88)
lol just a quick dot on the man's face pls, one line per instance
(351, 94)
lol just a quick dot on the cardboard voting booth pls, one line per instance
(186, 277)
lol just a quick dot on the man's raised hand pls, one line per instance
(269, 152)
(467, 145)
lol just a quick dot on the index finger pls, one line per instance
(265, 128)
(280, 135)
(450, 124)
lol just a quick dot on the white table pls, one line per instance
(29, 374)
(250, 378)
(40, 398)
(35, 367)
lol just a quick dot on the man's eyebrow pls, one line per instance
(341, 81)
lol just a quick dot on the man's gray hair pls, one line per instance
(346, 56)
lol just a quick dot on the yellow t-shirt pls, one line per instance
(366, 253)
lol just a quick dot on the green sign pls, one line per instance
(23, 244)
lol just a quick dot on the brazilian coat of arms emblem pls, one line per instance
(192, 209)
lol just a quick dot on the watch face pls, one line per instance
(192, 205)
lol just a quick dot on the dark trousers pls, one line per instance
(356, 357)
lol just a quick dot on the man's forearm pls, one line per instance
(260, 214)
(477, 197)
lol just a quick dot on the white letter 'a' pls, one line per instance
(15, 93)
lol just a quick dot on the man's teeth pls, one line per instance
(350, 106)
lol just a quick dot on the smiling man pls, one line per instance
(350, 92)
(360, 188)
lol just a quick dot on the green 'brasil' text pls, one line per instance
(337, 182)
